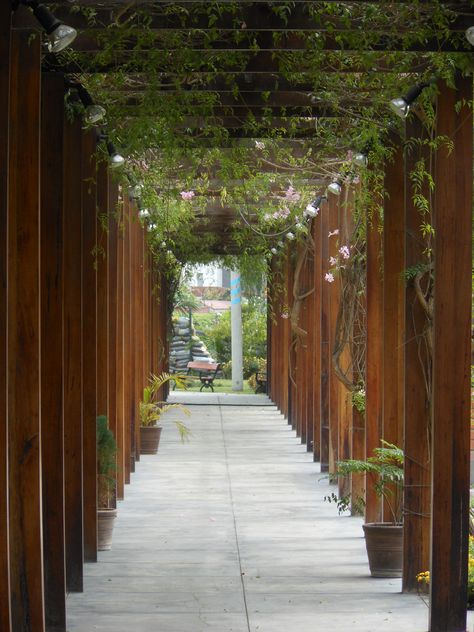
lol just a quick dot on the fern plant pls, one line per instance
(151, 409)
(386, 468)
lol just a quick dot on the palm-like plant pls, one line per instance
(106, 463)
(386, 468)
(151, 409)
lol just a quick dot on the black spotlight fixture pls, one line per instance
(60, 35)
(116, 160)
(93, 113)
(401, 105)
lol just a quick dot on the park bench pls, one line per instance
(206, 373)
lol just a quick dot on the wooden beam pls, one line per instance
(317, 340)
(72, 346)
(26, 546)
(374, 355)
(102, 303)
(89, 348)
(51, 361)
(418, 367)
(127, 345)
(451, 363)
(5, 37)
(325, 333)
(393, 302)
(122, 476)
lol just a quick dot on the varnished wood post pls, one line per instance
(317, 281)
(112, 306)
(26, 546)
(417, 485)
(325, 353)
(122, 475)
(101, 258)
(393, 302)
(5, 37)
(309, 351)
(72, 348)
(127, 344)
(334, 300)
(89, 348)
(51, 281)
(451, 365)
(374, 356)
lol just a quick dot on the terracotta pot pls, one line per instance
(149, 439)
(105, 527)
(384, 542)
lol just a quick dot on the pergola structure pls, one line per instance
(84, 303)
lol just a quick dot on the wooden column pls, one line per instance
(393, 302)
(309, 352)
(89, 348)
(5, 36)
(451, 365)
(334, 289)
(101, 258)
(317, 284)
(72, 348)
(325, 353)
(112, 306)
(374, 357)
(26, 546)
(127, 347)
(51, 283)
(122, 475)
(417, 487)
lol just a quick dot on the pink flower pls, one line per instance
(345, 252)
(329, 277)
(332, 261)
(333, 232)
(285, 315)
(292, 195)
(187, 195)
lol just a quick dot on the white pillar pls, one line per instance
(236, 331)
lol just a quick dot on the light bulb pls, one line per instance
(335, 188)
(60, 38)
(470, 35)
(290, 236)
(400, 107)
(274, 251)
(94, 113)
(360, 159)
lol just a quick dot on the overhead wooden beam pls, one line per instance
(5, 37)
(451, 362)
(51, 363)
(24, 427)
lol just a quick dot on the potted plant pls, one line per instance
(106, 479)
(384, 540)
(151, 410)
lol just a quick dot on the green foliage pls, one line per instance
(385, 468)
(358, 400)
(261, 367)
(106, 462)
(184, 300)
(216, 333)
(151, 409)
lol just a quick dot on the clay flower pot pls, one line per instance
(149, 439)
(105, 527)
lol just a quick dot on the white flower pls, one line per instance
(345, 252)
(333, 261)
(259, 144)
(329, 277)
(333, 232)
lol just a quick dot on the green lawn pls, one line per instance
(220, 386)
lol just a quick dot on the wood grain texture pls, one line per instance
(89, 343)
(318, 282)
(112, 307)
(5, 36)
(417, 431)
(374, 357)
(72, 349)
(451, 365)
(334, 297)
(325, 332)
(102, 256)
(26, 546)
(119, 379)
(51, 360)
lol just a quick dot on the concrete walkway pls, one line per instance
(230, 533)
